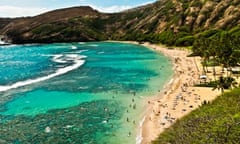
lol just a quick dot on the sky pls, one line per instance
(18, 8)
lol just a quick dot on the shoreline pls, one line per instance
(179, 96)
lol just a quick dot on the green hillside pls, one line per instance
(170, 22)
(214, 123)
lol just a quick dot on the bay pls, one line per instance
(80, 92)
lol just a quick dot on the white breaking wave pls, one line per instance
(57, 58)
(81, 51)
(72, 55)
(139, 137)
(93, 45)
(8, 46)
(101, 52)
(77, 60)
(74, 47)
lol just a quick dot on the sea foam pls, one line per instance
(139, 137)
(77, 62)
(57, 58)
(93, 45)
(73, 47)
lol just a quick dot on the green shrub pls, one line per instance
(167, 37)
(209, 33)
(214, 123)
(185, 41)
(208, 84)
(47, 29)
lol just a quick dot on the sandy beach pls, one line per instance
(179, 96)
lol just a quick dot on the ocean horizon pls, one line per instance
(93, 92)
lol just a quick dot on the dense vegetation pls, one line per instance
(217, 122)
(219, 48)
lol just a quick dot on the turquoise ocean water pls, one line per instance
(77, 92)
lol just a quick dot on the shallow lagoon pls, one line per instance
(100, 100)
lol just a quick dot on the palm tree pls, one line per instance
(219, 84)
(200, 48)
(213, 53)
(225, 51)
(225, 83)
